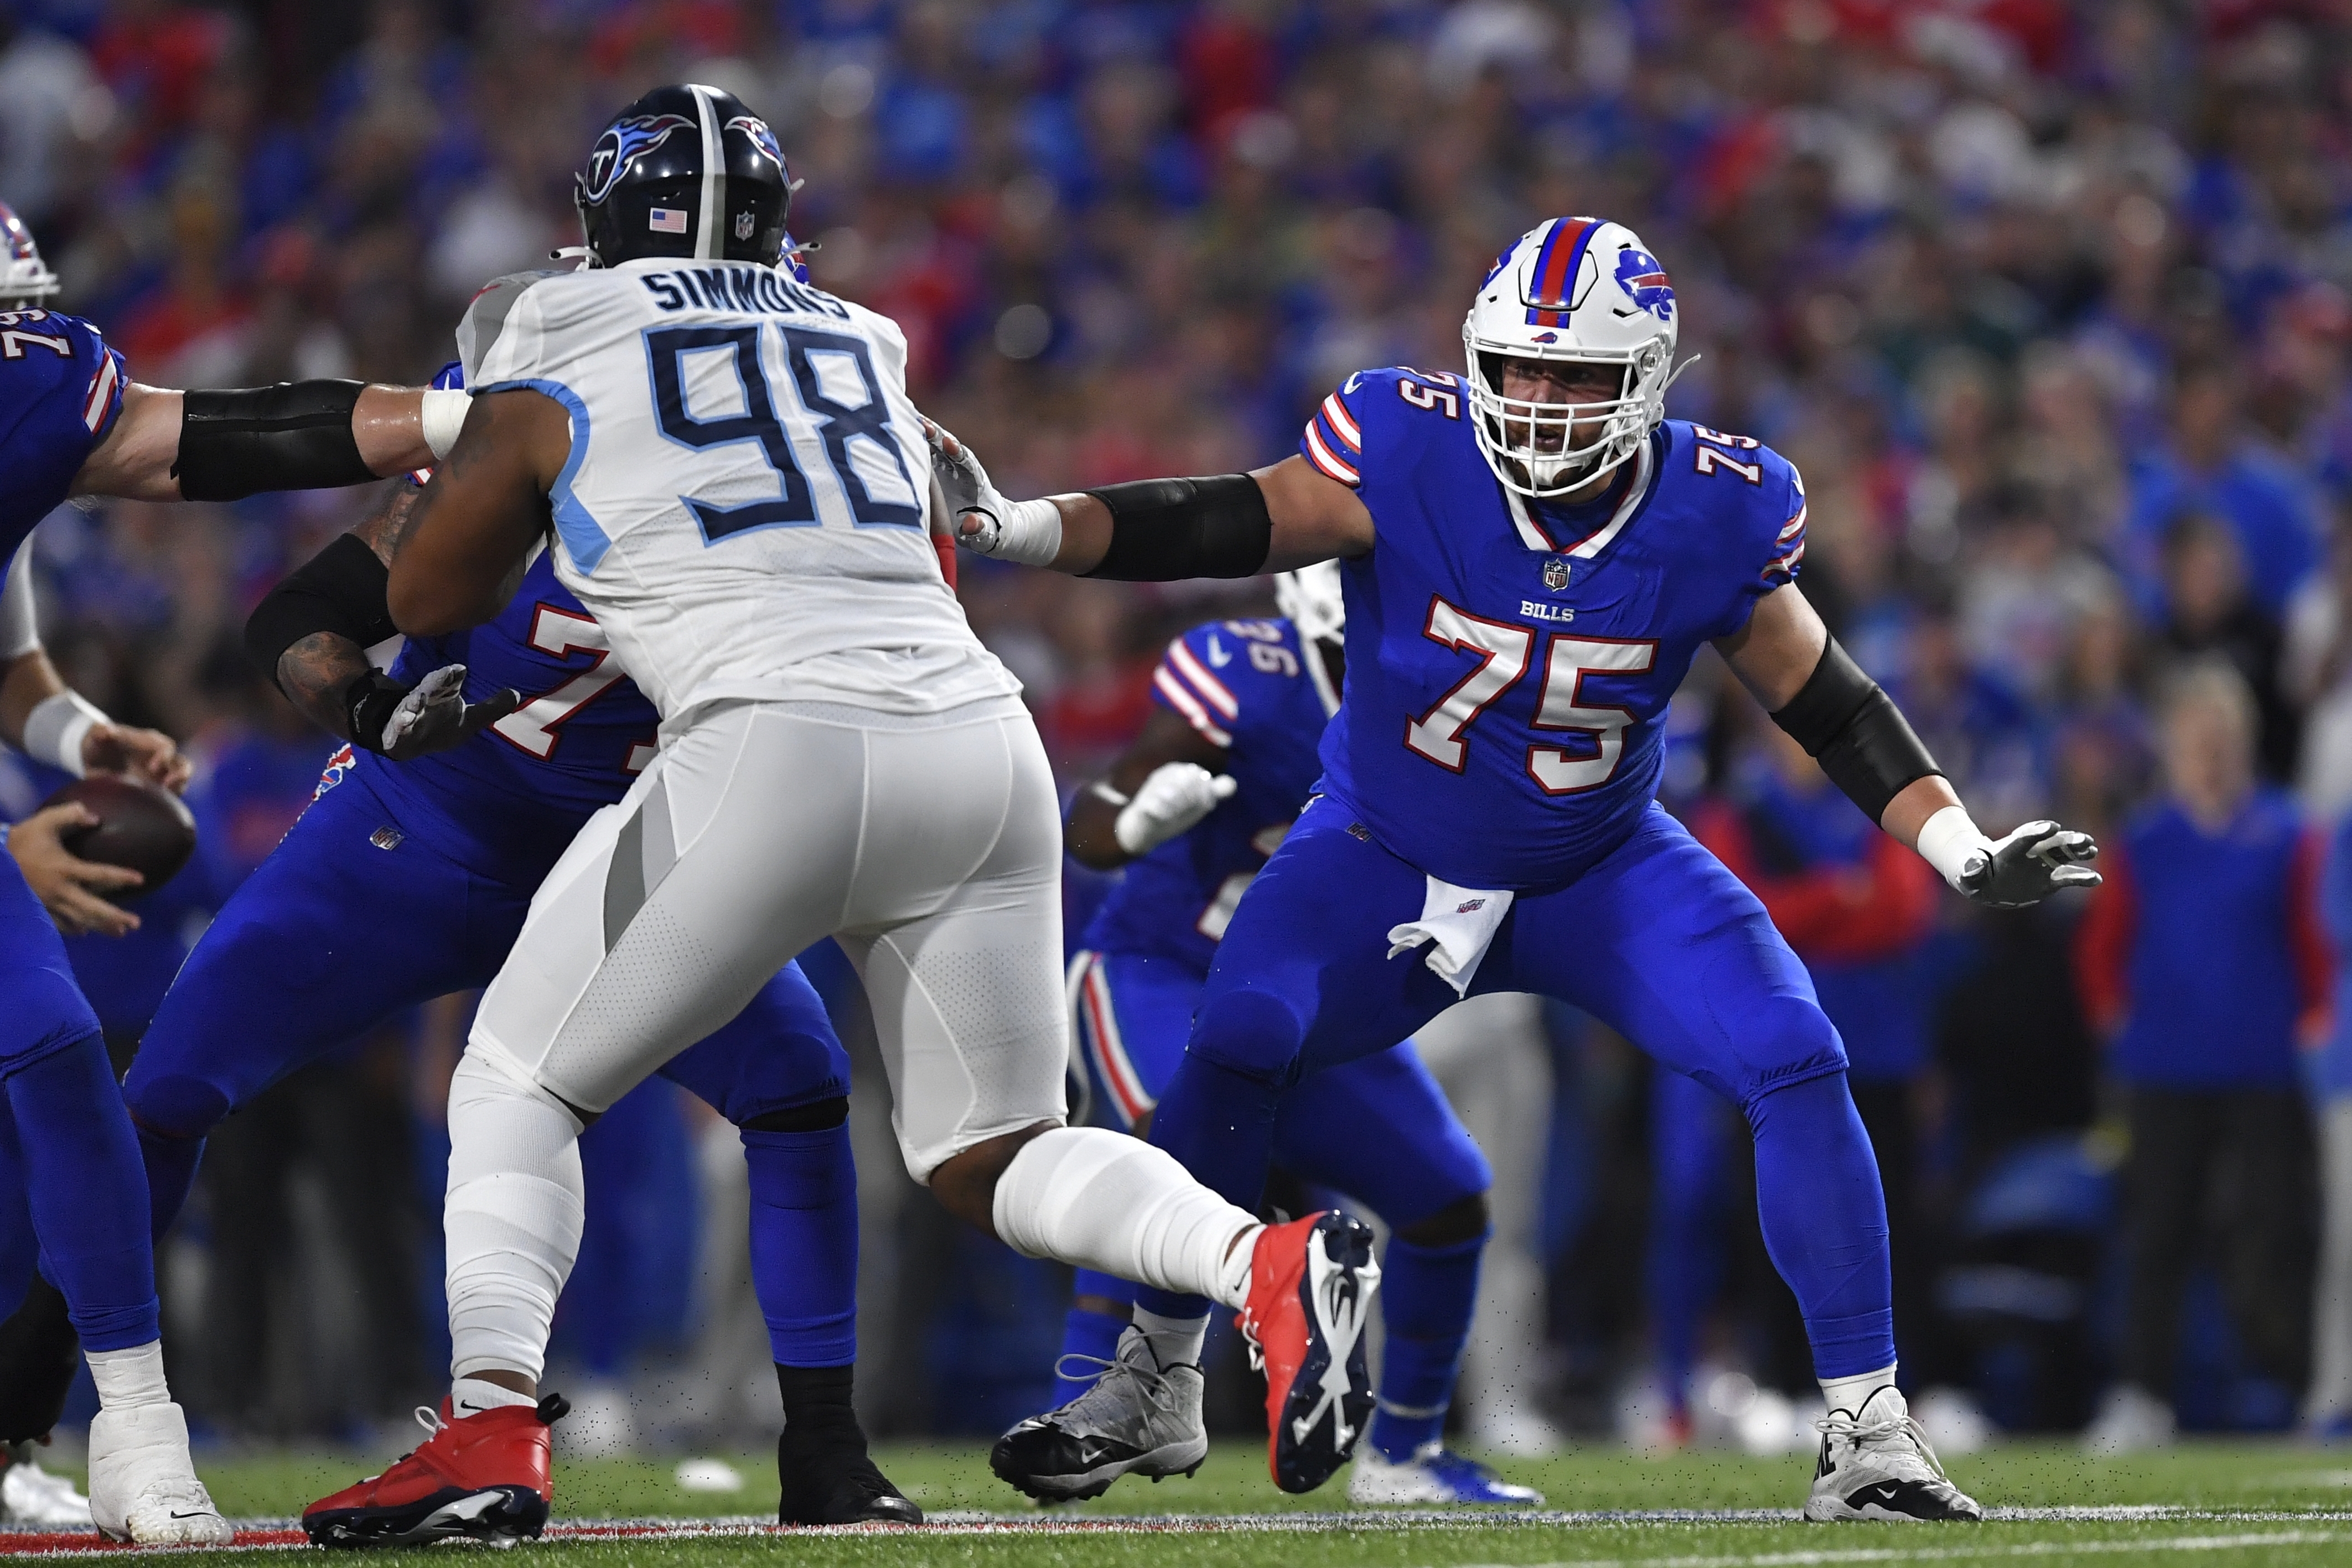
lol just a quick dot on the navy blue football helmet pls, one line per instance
(685, 171)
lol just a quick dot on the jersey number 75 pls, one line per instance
(1505, 652)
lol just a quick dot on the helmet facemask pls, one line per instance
(1547, 450)
(24, 279)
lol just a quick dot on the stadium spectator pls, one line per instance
(2203, 963)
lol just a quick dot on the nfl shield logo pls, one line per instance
(1556, 574)
(743, 226)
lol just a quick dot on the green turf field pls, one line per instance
(2209, 1503)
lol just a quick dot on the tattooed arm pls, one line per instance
(313, 630)
(317, 670)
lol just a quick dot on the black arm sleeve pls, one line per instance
(1165, 530)
(340, 590)
(1852, 728)
(296, 435)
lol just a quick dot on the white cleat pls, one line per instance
(1432, 1478)
(143, 1484)
(1876, 1463)
(2130, 1419)
(31, 1495)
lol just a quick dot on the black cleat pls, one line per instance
(825, 1474)
(1136, 1419)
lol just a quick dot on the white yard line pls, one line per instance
(2252, 1539)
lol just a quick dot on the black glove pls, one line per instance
(403, 722)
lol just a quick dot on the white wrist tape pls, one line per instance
(1029, 532)
(442, 417)
(1952, 842)
(56, 728)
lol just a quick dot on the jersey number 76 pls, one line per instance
(1505, 652)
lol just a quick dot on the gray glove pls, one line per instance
(2028, 865)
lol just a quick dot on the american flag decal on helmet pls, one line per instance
(1549, 292)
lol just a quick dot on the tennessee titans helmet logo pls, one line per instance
(624, 142)
(1644, 283)
(756, 129)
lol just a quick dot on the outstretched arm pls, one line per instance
(297, 436)
(1276, 519)
(1786, 657)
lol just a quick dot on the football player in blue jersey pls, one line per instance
(1192, 810)
(1533, 555)
(72, 422)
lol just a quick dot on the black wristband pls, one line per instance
(368, 702)
(1848, 725)
(341, 590)
(1165, 529)
(295, 435)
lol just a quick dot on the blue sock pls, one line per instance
(1824, 1218)
(805, 1243)
(88, 1192)
(1426, 1297)
(1219, 1124)
(171, 1165)
(1085, 1331)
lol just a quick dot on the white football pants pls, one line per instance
(931, 846)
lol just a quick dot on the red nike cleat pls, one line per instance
(1311, 1284)
(483, 1477)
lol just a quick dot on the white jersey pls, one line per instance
(744, 507)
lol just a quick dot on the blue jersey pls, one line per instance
(1509, 663)
(60, 392)
(519, 791)
(1250, 688)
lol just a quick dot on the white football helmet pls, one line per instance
(1312, 600)
(24, 279)
(1577, 289)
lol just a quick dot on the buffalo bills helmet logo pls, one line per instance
(756, 129)
(1644, 283)
(624, 142)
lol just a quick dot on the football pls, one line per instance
(141, 825)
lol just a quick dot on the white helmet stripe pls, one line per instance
(708, 245)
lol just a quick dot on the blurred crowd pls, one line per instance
(2049, 300)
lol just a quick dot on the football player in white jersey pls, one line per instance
(726, 465)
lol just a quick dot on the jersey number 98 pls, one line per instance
(817, 423)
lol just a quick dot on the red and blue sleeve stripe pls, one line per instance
(1334, 442)
(102, 402)
(1184, 682)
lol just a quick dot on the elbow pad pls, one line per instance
(295, 435)
(1162, 530)
(341, 590)
(1851, 728)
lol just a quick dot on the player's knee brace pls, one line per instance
(1251, 1033)
(820, 1116)
(515, 1210)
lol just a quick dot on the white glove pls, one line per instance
(1176, 796)
(2026, 867)
(1027, 531)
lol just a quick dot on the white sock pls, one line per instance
(512, 1219)
(472, 1395)
(1174, 1342)
(1850, 1394)
(1105, 1201)
(128, 1378)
